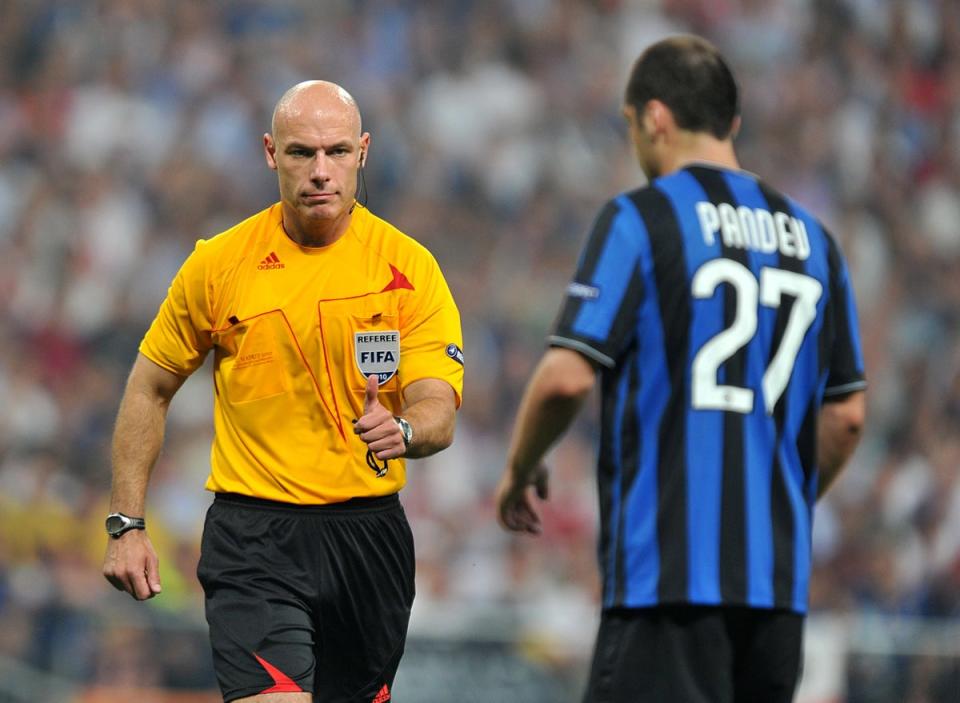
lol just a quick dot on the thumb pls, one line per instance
(153, 574)
(370, 399)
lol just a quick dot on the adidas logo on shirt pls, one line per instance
(270, 262)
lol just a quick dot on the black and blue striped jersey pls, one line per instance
(722, 315)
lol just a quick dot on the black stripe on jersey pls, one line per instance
(670, 275)
(807, 440)
(837, 320)
(596, 243)
(828, 331)
(606, 464)
(733, 527)
(781, 510)
(629, 466)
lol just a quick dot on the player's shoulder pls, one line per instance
(816, 226)
(647, 201)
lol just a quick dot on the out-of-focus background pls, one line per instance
(130, 128)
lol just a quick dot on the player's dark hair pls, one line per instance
(689, 76)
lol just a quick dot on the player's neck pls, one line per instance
(698, 147)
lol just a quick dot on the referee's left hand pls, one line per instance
(377, 427)
(516, 509)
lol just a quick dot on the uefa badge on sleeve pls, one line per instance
(377, 353)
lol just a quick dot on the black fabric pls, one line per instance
(696, 654)
(321, 593)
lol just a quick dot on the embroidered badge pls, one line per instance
(377, 352)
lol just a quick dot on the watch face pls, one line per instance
(115, 523)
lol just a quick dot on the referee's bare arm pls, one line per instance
(839, 429)
(429, 405)
(552, 399)
(131, 563)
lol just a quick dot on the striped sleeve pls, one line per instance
(598, 315)
(846, 372)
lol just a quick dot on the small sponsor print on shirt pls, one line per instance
(455, 353)
(253, 359)
(582, 290)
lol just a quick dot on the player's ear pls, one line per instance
(655, 117)
(270, 151)
(735, 127)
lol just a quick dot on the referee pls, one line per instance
(719, 316)
(337, 353)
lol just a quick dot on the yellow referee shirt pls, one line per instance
(295, 332)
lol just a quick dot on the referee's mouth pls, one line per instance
(319, 197)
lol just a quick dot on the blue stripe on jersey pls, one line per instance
(610, 567)
(642, 562)
(611, 276)
(704, 428)
(759, 428)
(799, 398)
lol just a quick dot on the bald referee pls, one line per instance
(718, 314)
(337, 354)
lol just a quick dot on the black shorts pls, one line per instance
(694, 654)
(307, 598)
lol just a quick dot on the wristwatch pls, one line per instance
(118, 524)
(406, 429)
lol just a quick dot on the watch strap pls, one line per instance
(126, 523)
(406, 429)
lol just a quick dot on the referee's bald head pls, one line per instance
(316, 99)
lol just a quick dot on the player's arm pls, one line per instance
(839, 429)
(430, 406)
(551, 401)
(131, 563)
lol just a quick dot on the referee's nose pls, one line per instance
(320, 167)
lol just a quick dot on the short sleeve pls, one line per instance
(846, 368)
(179, 338)
(598, 314)
(431, 340)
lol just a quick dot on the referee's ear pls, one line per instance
(270, 151)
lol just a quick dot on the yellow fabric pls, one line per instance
(282, 320)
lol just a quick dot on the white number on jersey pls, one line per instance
(706, 393)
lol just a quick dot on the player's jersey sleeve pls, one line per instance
(598, 316)
(179, 338)
(431, 341)
(846, 368)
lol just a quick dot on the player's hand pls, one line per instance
(516, 509)
(377, 427)
(131, 565)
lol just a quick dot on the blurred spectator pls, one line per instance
(130, 128)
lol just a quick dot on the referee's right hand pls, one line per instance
(131, 565)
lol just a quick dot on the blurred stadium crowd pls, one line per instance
(130, 128)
